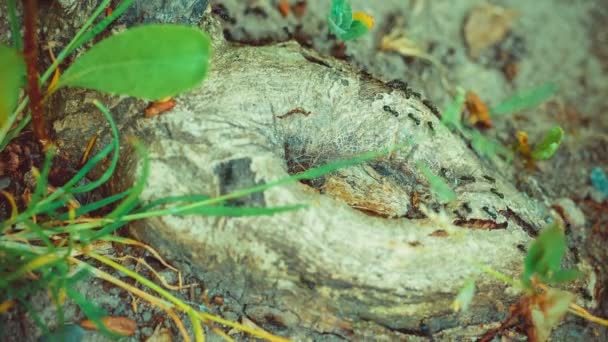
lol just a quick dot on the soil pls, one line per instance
(565, 42)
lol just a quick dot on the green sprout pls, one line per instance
(348, 25)
(549, 145)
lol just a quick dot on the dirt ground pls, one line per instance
(559, 41)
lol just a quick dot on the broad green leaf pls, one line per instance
(340, 16)
(549, 145)
(564, 276)
(342, 23)
(548, 314)
(465, 296)
(526, 99)
(545, 255)
(150, 61)
(12, 79)
(439, 187)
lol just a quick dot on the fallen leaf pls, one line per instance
(160, 335)
(485, 26)
(479, 115)
(397, 41)
(159, 107)
(549, 311)
(118, 325)
(283, 7)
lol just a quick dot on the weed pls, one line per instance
(348, 25)
(541, 307)
(42, 246)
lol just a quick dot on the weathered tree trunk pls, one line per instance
(374, 253)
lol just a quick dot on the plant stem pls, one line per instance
(30, 51)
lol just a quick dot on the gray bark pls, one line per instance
(365, 258)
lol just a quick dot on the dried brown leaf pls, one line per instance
(118, 325)
(485, 26)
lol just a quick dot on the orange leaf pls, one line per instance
(6, 305)
(283, 7)
(118, 325)
(479, 114)
(522, 143)
(159, 107)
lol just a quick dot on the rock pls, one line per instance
(335, 267)
(570, 213)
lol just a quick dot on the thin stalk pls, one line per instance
(30, 51)
(72, 45)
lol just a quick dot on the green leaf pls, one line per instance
(340, 16)
(545, 255)
(564, 276)
(12, 79)
(341, 21)
(526, 99)
(150, 61)
(451, 115)
(15, 25)
(439, 187)
(357, 29)
(549, 145)
(465, 296)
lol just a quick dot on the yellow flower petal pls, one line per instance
(365, 18)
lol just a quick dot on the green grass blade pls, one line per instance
(39, 231)
(117, 12)
(42, 180)
(171, 200)
(308, 174)
(85, 209)
(450, 117)
(15, 131)
(12, 79)
(439, 187)
(34, 315)
(15, 25)
(137, 189)
(114, 146)
(131, 201)
(526, 99)
(72, 44)
(234, 211)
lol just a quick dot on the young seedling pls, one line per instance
(348, 25)
(541, 307)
